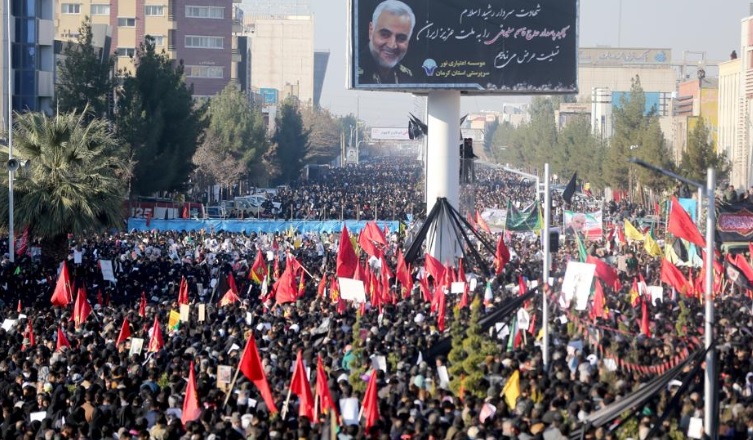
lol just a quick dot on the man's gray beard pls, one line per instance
(380, 61)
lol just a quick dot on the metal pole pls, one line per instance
(709, 388)
(538, 194)
(545, 291)
(700, 208)
(11, 238)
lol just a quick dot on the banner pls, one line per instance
(527, 219)
(258, 226)
(734, 222)
(515, 46)
(589, 225)
(495, 218)
(577, 282)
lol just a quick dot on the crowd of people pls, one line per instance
(97, 389)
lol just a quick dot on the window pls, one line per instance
(159, 40)
(154, 10)
(205, 72)
(100, 9)
(126, 52)
(70, 8)
(216, 12)
(199, 42)
(126, 21)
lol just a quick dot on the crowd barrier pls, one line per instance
(258, 226)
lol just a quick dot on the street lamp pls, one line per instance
(710, 382)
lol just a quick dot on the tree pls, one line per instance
(700, 155)
(324, 135)
(468, 354)
(629, 121)
(159, 122)
(215, 164)
(291, 141)
(238, 125)
(653, 149)
(76, 179)
(578, 151)
(84, 76)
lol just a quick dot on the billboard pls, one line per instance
(502, 47)
(389, 134)
(268, 96)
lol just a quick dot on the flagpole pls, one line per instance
(547, 246)
(287, 402)
(232, 385)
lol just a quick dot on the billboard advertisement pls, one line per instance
(502, 47)
(389, 134)
(269, 96)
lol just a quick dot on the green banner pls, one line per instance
(527, 219)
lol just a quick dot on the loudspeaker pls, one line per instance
(13, 165)
(554, 240)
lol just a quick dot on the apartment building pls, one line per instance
(198, 33)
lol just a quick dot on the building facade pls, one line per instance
(33, 59)
(197, 33)
(730, 117)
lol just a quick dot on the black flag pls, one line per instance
(567, 195)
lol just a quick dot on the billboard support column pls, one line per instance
(443, 168)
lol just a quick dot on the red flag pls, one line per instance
(597, 310)
(532, 325)
(125, 332)
(671, 275)
(62, 340)
(322, 286)
(277, 267)
(19, 306)
(621, 236)
(186, 213)
(370, 238)
(183, 291)
(291, 260)
(299, 385)
(645, 330)
(434, 268)
(370, 402)
(681, 225)
(442, 310)
(231, 283)
(62, 295)
(284, 288)
(258, 269)
(29, 336)
(155, 342)
(501, 256)
(346, 256)
(482, 223)
(250, 366)
(142, 305)
(605, 273)
(323, 395)
(522, 286)
(302, 285)
(191, 408)
(470, 220)
(744, 266)
(403, 275)
(229, 298)
(82, 309)
(463, 303)
(23, 244)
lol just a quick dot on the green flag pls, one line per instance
(581, 249)
(527, 219)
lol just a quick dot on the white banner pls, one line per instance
(495, 218)
(577, 283)
(390, 134)
(107, 273)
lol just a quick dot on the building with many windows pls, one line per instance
(197, 33)
(33, 59)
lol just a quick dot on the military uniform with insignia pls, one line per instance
(368, 72)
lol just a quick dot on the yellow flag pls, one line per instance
(174, 320)
(631, 233)
(651, 246)
(512, 390)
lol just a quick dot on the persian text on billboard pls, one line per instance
(509, 46)
(389, 134)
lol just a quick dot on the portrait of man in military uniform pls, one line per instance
(390, 31)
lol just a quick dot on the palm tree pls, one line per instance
(75, 181)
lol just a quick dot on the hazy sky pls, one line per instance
(680, 25)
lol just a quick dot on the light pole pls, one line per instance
(546, 245)
(9, 96)
(710, 380)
